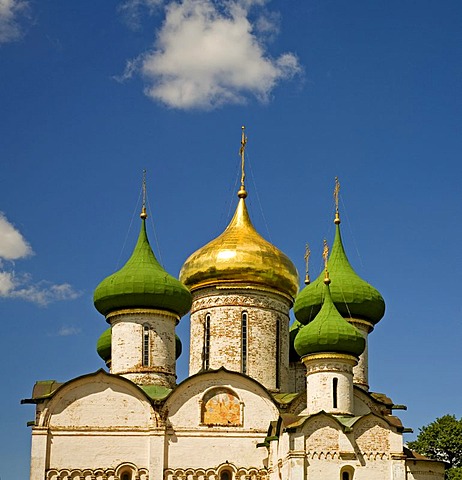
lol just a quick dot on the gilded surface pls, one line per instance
(240, 255)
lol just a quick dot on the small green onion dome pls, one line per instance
(103, 346)
(178, 347)
(353, 297)
(293, 331)
(142, 283)
(329, 332)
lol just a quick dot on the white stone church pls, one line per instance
(262, 401)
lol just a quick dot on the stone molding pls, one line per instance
(239, 299)
(213, 473)
(117, 315)
(96, 474)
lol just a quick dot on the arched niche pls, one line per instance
(221, 406)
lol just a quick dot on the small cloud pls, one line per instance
(68, 331)
(208, 54)
(12, 244)
(133, 10)
(10, 12)
(41, 293)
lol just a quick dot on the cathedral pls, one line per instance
(263, 400)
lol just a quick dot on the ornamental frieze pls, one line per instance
(216, 473)
(99, 473)
(239, 301)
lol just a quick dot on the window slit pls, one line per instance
(145, 346)
(334, 395)
(206, 362)
(244, 339)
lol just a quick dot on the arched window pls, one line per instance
(206, 357)
(244, 327)
(334, 397)
(125, 476)
(226, 475)
(145, 347)
(347, 473)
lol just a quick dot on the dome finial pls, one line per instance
(242, 193)
(143, 213)
(336, 192)
(325, 256)
(307, 259)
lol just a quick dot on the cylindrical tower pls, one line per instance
(243, 288)
(329, 347)
(142, 303)
(355, 299)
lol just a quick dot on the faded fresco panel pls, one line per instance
(221, 407)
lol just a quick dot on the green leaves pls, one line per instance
(442, 440)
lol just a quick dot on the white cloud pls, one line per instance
(208, 53)
(133, 10)
(12, 243)
(13, 246)
(41, 293)
(10, 11)
(66, 331)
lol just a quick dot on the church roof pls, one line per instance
(240, 255)
(353, 296)
(142, 283)
(329, 332)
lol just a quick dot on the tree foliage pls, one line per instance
(442, 440)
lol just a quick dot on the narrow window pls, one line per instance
(334, 397)
(206, 359)
(345, 476)
(278, 353)
(225, 475)
(125, 476)
(244, 342)
(146, 346)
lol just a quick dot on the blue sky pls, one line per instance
(91, 93)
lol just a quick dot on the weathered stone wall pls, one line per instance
(127, 346)
(194, 444)
(297, 377)
(94, 424)
(322, 371)
(361, 370)
(267, 319)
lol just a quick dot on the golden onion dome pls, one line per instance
(240, 255)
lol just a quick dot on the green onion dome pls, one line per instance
(329, 332)
(103, 346)
(293, 331)
(142, 283)
(353, 297)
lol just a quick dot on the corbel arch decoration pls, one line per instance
(221, 406)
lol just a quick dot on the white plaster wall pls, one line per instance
(127, 346)
(361, 370)
(330, 468)
(183, 405)
(99, 402)
(210, 450)
(424, 470)
(265, 312)
(297, 377)
(321, 373)
(82, 450)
